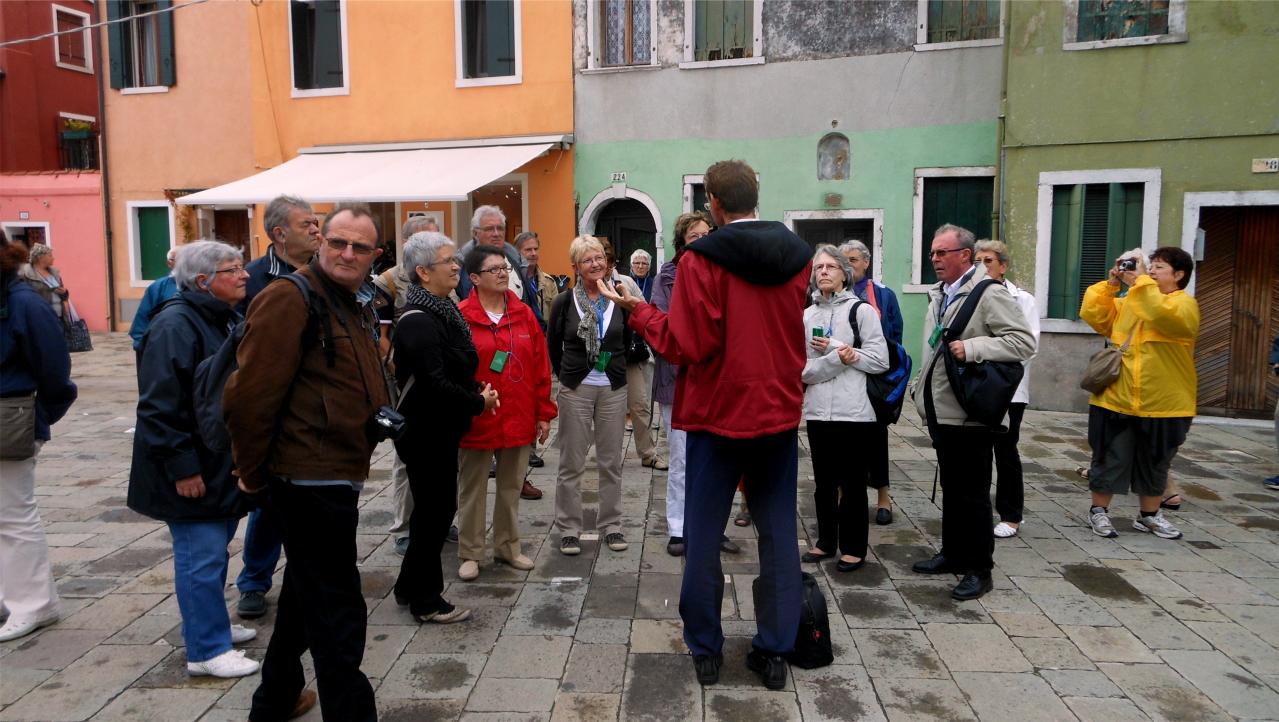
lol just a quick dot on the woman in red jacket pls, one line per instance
(513, 359)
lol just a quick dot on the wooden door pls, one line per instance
(1237, 287)
(835, 231)
(232, 227)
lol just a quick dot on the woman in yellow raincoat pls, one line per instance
(1136, 425)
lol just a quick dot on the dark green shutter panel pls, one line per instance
(153, 237)
(964, 202)
(1094, 250)
(168, 71)
(738, 38)
(115, 43)
(1063, 271)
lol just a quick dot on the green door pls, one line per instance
(153, 241)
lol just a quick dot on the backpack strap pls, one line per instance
(319, 312)
(407, 384)
(966, 311)
(852, 321)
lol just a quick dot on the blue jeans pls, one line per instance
(769, 466)
(199, 576)
(262, 541)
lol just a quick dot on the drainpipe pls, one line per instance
(102, 162)
(1001, 159)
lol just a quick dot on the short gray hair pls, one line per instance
(641, 253)
(482, 211)
(277, 213)
(38, 250)
(421, 250)
(963, 235)
(999, 248)
(417, 224)
(828, 250)
(201, 257)
(853, 244)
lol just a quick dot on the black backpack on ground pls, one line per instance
(887, 389)
(812, 642)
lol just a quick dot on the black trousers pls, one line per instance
(964, 460)
(431, 463)
(876, 455)
(321, 608)
(840, 451)
(1009, 492)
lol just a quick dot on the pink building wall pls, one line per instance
(70, 203)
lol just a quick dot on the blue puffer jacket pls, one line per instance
(34, 356)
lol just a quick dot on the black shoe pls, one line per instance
(771, 668)
(937, 565)
(972, 586)
(844, 566)
(727, 546)
(814, 557)
(883, 517)
(707, 666)
(451, 537)
(535, 461)
(675, 547)
(251, 605)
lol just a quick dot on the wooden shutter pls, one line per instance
(1215, 292)
(957, 20)
(1063, 273)
(116, 50)
(723, 29)
(965, 202)
(164, 25)
(1113, 19)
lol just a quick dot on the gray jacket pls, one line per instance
(997, 332)
(836, 391)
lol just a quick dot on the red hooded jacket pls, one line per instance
(524, 384)
(736, 329)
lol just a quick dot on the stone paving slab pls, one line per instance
(1078, 627)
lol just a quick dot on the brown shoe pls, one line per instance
(530, 492)
(305, 702)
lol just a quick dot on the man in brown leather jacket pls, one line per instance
(297, 410)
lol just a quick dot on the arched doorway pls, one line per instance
(628, 225)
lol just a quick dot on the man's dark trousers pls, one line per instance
(964, 456)
(769, 466)
(321, 608)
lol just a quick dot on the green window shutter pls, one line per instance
(117, 52)
(1094, 241)
(1063, 271)
(957, 20)
(964, 202)
(1092, 226)
(153, 241)
(723, 29)
(738, 27)
(1114, 19)
(168, 70)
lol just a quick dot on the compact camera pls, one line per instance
(1128, 264)
(386, 423)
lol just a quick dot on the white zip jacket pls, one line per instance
(837, 392)
(1027, 304)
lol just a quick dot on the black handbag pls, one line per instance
(75, 330)
(984, 390)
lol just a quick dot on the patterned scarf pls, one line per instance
(588, 329)
(441, 307)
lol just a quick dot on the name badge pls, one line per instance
(602, 363)
(938, 330)
(499, 361)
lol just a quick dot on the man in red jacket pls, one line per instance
(736, 329)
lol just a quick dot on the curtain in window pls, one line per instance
(626, 24)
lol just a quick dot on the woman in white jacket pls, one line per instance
(838, 412)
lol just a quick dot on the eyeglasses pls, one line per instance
(594, 261)
(827, 267)
(233, 270)
(943, 251)
(492, 229)
(340, 244)
(497, 270)
(694, 236)
(706, 206)
(451, 260)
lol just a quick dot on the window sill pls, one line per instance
(604, 70)
(319, 92)
(917, 288)
(78, 68)
(957, 44)
(484, 82)
(1061, 325)
(697, 64)
(145, 90)
(1127, 42)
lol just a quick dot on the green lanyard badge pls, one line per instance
(938, 330)
(602, 363)
(499, 361)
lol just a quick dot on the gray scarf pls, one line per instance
(588, 329)
(441, 307)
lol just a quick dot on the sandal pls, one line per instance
(1082, 471)
(1171, 507)
(743, 518)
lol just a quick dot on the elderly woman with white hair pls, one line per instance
(175, 477)
(641, 272)
(44, 278)
(435, 365)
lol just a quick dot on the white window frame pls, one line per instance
(1070, 29)
(690, 37)
(921, 36)
(87, 37)
(593, 42)
(345, 88)
(875, 215)
(1192, 203)
(918, 231)
(459, 48)
(77, 116)
(689, 182)
(135, 243)
(1152, 180)
(48, 236)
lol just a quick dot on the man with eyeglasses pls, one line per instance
(997, 331)
(299, 411)
(488, 228)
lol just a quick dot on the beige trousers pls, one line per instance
(473, 477)
(639, 389)
(401, 497)
(590, 414)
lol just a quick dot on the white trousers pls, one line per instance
(26, 582)
(675, 474)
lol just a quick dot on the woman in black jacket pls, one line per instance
(435, 363)
(175, 477)
(588, 338)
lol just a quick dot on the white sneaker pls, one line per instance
(231, 663)
(15, 628)
(241, 634)
(1004, 530)
(1157, 525)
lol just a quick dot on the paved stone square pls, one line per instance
(1078, 627)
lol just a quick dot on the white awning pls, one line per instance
(422, 174)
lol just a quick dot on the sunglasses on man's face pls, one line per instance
(340, 244)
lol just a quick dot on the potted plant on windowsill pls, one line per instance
(73, 129)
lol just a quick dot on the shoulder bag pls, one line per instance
(984, 390)
(18, 427)
(1104, 367)
(74, 329)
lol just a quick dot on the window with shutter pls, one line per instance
(71, 48)
(625, 36)
(965, 202)
(1092, 225)
(723, 29)
(1116, 19)
(316, 38)
(950, 21)
(141, 48)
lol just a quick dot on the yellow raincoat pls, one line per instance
(1157, 378)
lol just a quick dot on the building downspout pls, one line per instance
(1001, 158)
(106, 185)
